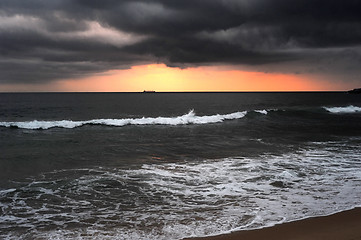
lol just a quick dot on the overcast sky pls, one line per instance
(47, 40)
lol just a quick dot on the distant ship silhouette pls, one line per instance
(146, 91)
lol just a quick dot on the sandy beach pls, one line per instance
(340, 226)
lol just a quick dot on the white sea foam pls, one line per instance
(189, 118)
(177, 200)
(262, 111)
(6, 191)
(347, 109)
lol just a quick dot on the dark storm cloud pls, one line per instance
(44, 40)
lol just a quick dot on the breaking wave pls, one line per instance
(262, 111)
(189, 118)
(347, 109)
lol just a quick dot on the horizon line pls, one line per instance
(155, 92)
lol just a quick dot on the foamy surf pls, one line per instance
(347, 109)
(265, 112)
(184, 199)
(189, 118)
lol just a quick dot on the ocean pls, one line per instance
(173, 165)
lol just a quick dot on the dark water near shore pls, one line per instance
(173, 165)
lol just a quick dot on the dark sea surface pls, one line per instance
(173, 165)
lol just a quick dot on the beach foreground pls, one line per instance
(341, 226)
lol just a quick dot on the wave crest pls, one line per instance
(347, 109)
(189, 118)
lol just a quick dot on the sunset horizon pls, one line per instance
(160, 78)
(129, 46)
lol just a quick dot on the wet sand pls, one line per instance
(340, 226)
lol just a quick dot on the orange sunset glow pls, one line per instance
(160, 78)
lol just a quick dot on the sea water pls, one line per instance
(173, 165)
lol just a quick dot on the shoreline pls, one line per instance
(345, 225)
